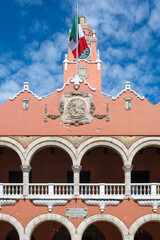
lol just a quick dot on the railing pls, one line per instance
(145, 190)
(101, 189)
(51, 189)
(11, 189)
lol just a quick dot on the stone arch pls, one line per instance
(102, 217)
(13, 221)
(49, 217)
(142, 220)
(110, 142)
(142, 143)
(50, 142)
(14, 145)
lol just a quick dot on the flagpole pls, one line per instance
(76, 78)
(77, 39)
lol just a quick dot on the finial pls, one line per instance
(127, 86)
(26, 86)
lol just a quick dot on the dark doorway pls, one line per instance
(93, 233)
(142, 235)
(140, 177)
(12, 235)
(84, 177)
(62, 234)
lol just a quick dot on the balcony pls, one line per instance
(11, 190)
(145, 191)
(51, 191)
(102, 191)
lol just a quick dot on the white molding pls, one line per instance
(72, 81)
(50, 203)
(7, 202)
(153, 203)
(25, 89)
(102, 203)
(128, 89)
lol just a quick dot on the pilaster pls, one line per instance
(127, 172)
(26, 170)
(76, 171)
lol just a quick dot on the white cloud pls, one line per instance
(8, 89)
(43, 68)
(154, 20)
(39, 27)
(142, 12)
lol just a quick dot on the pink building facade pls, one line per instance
(77, 164)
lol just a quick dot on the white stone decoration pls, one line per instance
(102, 203)
(128, 88)
(7, 202)
(25, 88)
(80, 81)
(50, 203)
(153, 203)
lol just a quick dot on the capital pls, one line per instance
(76, 168)
(26, 168)
(127, 168)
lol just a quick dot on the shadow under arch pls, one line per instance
(14, 145)
(142, 220)
(44, 142)
(142, 143)
(103, 218)
(49, 217)
(14, 222)
(109, 142)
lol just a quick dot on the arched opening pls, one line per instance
(8, 232)
(10, 166)
(50, 172)
(102, 231)
(102, 165)
(148, 231)
(51, 230)
(145, 171)
(11, 175)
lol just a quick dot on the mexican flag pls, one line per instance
(82, 44)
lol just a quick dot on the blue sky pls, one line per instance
(33, 42)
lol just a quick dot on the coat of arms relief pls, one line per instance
(76, 108)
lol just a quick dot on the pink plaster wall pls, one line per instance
(142, 119)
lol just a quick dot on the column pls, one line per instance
(127, 171)
(76, 170)
(26, 170)
(128, 237)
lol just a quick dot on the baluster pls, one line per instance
(89, 190)
(145, 187)
(97, 190)
(94, 188)
(114, 190)
(140, 190)
(16, 190)
(34, 190)
(136, 190)
(55, 190)
(9, 189)
(67, 190)
(63, 190)
(85, 190)
(59, 190)
(106, 188)
(117, 190)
